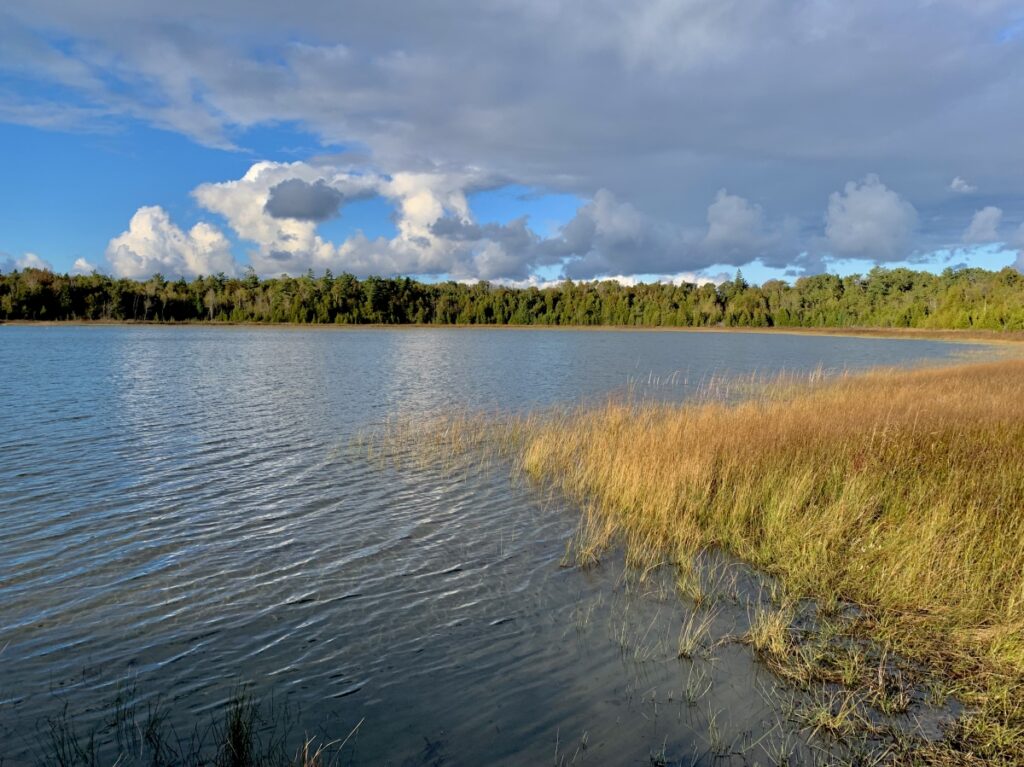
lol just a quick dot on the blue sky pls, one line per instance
(134, 165)
(67, 193)
(655, 140)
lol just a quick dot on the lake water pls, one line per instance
(181, 514)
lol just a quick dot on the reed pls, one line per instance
(899, 491)
(694, 633)
(248, 734)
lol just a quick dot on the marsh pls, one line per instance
(183, 513)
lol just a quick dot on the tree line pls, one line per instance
(956, 298)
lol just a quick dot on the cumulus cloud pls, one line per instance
(738, 232)
(602, 94)
(153, 243)
(437, 233)
(984, 226)
(82, 266)
(869, 220)
(501, 251)
(632, 280)
(33, 261)
(26, 261)
(733, 222)
(610, 236)
(292, 244)
(961, 186)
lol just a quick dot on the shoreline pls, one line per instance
(886, 506)
(847, 496)
(993, 337)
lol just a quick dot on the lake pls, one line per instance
(183, 516)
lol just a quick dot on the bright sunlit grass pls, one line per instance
(900, 491)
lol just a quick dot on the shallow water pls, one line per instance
(181, 513)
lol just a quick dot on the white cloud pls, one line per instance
(961, 186)
(533, 281)
(665, 279)
(82, 266)
(984, 226)
(421, 200)
(437, 234)
(869, 220)
(243, 203)
(27, 261)
(603, 93)
(32, 261)
(153, 243)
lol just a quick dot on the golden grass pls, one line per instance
(694, 632)
(900, 491)
(770, 631)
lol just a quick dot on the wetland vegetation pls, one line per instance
(245, 733)
(886, 506)
(816, 568)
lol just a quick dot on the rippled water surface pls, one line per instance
(180, 510)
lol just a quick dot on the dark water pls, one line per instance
(180, 512)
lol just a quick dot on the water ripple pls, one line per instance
(178, 508)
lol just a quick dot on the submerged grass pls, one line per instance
(247, 734)
(899, 491)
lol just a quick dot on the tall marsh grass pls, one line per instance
(899, 490)
(902, 491)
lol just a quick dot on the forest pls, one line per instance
(956, 298)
